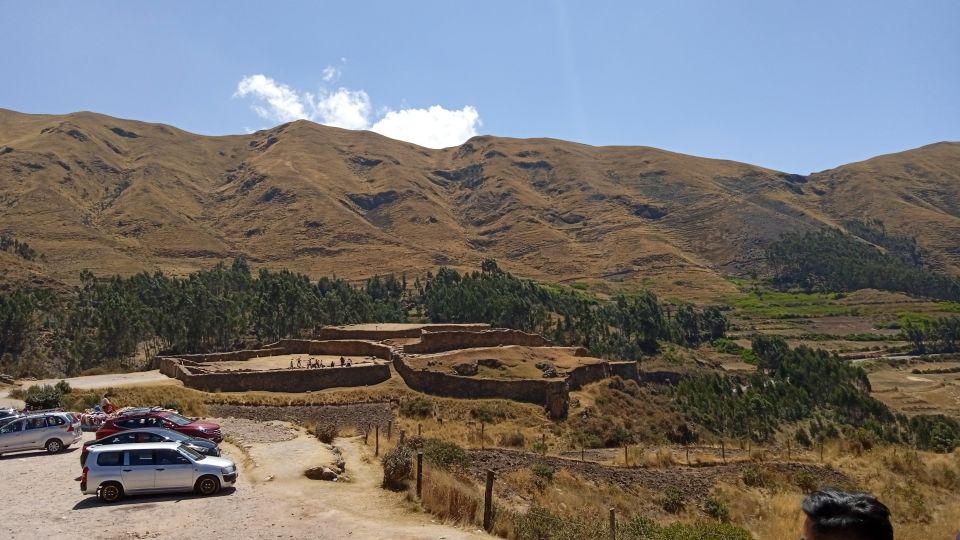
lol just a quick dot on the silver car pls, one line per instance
(53, 431)
(115, 470)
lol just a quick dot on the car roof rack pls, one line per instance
(42, 411)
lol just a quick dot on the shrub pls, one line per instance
(418, 407)
(174, 405)
(714, 507)
(543, 471)
(802, 438)
(489, 413)
(513, 440)
(397, 467)
(672, 500)
(444, 454)
(63, 387)
(43, 397)
(806, 481)
(326, 432)
(756, 477)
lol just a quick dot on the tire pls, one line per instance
(110, 492)
(54, 446)
(207, 485)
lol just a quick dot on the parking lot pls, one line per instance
(272, 498)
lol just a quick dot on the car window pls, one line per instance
(127, 438)
(110, 459)
(36, 423)
(153, 437)
(55, 421)
(129, 423)
(12, 427)
(140, 457)
(170, 457)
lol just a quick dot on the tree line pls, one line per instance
(18, 248)
(833, 260)
(804, 384)
(938, 336)
(107, 320)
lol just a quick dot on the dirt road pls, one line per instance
(272, 500)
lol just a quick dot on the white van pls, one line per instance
(53, 431)
(111, 471)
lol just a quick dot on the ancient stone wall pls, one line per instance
(280, 380)
(431, 342)
(342, 347)
(549, 393)
(584, 375)
(336, 332)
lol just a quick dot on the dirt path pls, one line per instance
(112, 379)
(286, 506)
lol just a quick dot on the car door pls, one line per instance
(11, 436)
(138, 472)
(34, 431)
(174, 470)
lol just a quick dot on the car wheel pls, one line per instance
(110, 492)
(208, 485)
(53, 446)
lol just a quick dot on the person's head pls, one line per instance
(837, 515)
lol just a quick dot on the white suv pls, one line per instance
(53, 431)
(114, 470)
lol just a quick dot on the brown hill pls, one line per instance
(112, 195)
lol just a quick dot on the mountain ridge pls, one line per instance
(121, 196)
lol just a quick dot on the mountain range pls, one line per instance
(90, 191)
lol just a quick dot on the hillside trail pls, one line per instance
(357, 508)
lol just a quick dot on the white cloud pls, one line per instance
(433, 127)
(331, 73)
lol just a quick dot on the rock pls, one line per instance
(465, 369)
(492, 363)
(7, 379)
(328, 474)
(550, 373)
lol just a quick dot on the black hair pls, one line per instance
(858, 514)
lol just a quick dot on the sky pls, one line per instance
(797, 86)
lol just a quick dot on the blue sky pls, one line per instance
(794, 85)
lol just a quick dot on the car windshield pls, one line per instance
(178, 420)
(191, 453)
(173, 435)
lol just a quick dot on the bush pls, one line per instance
(543, 471)
(397, 467)
(43, 397)
(513, 440)
(806, 481)
(326, 432)
(418, 407)
(444, 454)
(63, 387)
(173, 405)
(756, 477)
(716, 508)
(672, 500)
(489, 413)
(641, 528)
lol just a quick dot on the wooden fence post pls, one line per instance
(419, 473)
(389, 429)
(376, 452)
(581, 454)
(723, 451)
(403, 436)
(481, 435)
(419, 430)
(488, 502)
(688, 454)
(613, 524)
(626, 459)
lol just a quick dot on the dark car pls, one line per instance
(159, 418)
(152, 435)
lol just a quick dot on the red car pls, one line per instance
(144, 418)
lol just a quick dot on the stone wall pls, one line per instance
(550, 393)
(342, 347)
(280, 380)
(590, 373)
(431, 342)
(339, 332)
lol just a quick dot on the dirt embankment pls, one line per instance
(694, 482)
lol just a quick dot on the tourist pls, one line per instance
(341, 361)
(349, 363)
(838, 515)
(291, 363)
(299, 364)
(107, 406)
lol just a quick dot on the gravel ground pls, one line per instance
(245, 431)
